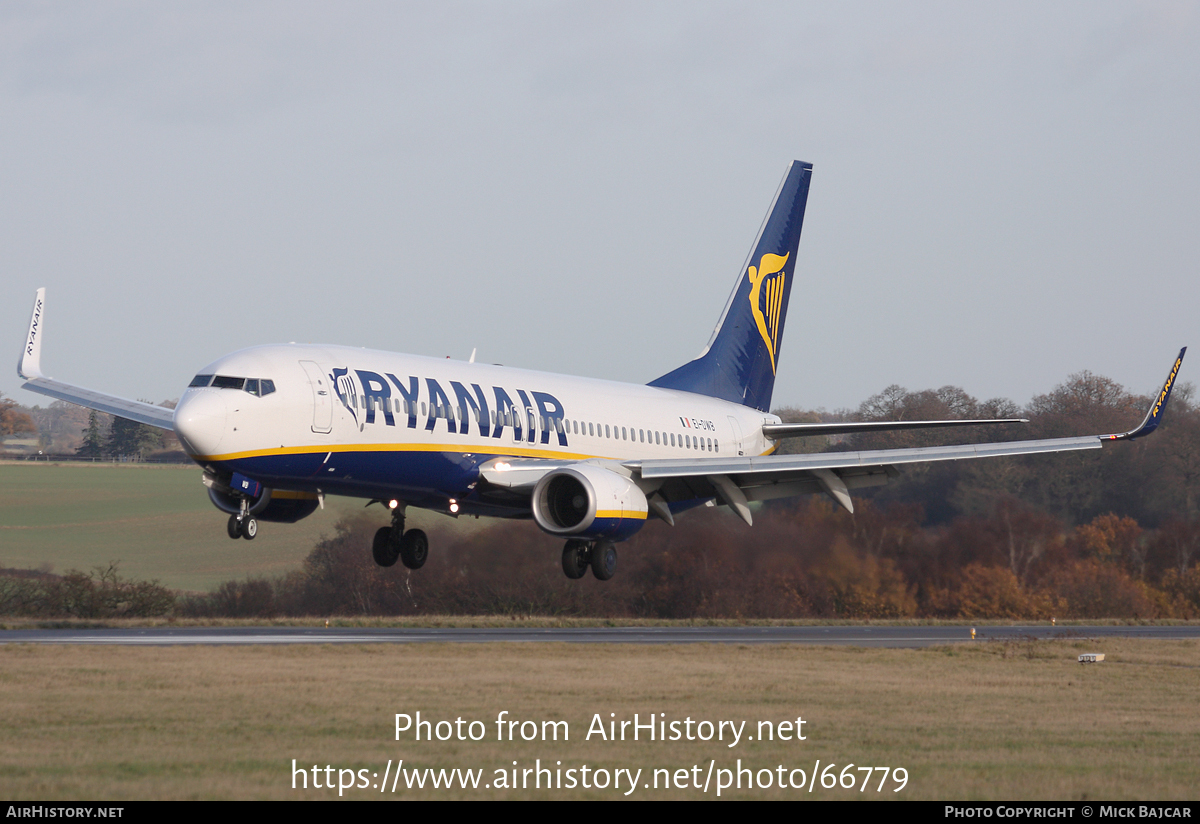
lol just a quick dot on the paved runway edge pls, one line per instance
(823, 635)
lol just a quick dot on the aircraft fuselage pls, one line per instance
(359, 422)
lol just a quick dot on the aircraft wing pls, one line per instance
(30, 368)
(775, 431)
(738, 480)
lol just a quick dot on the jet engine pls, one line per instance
(589, 502)
(266, 504)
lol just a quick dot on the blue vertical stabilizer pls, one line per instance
(740, 360)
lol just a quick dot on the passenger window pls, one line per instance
(422, 409)
(606, 431)
(623, 433)
(201, 380)
(655, 437)
(591, 429)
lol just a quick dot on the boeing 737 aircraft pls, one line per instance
(276, 428)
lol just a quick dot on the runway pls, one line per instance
(863, 636)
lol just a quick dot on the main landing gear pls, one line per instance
(392, 542)
(601, 556)
(243, 524)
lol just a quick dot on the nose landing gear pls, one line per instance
(242, 525)
(578, 555)
(393, 542)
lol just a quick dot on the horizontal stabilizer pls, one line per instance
(775, 431)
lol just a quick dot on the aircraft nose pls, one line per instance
(200, 422)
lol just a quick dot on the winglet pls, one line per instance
(1157, 407)
(30, 364)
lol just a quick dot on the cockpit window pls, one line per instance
(226, 382)
(254, 386)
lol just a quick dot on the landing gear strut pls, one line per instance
(393, 542)
(242, 525)
(578, 555)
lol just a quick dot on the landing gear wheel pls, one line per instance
(575, 559)
(383, 548)
(414, 549)
(248, 528)
(233, 527)
(604, 560)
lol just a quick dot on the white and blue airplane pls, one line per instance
(276, 428)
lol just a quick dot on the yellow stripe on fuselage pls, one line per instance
(456, 448)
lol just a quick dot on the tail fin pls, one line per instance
(739, 362)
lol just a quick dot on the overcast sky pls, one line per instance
(1002, 194)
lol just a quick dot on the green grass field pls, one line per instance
(972, 721)
(156, 520)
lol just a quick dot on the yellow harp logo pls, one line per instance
(766, 299)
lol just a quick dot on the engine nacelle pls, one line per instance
(589, 501)
(266, 504)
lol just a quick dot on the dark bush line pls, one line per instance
(101, 593)
(805, 560)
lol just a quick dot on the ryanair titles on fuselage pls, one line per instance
(373, 396)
